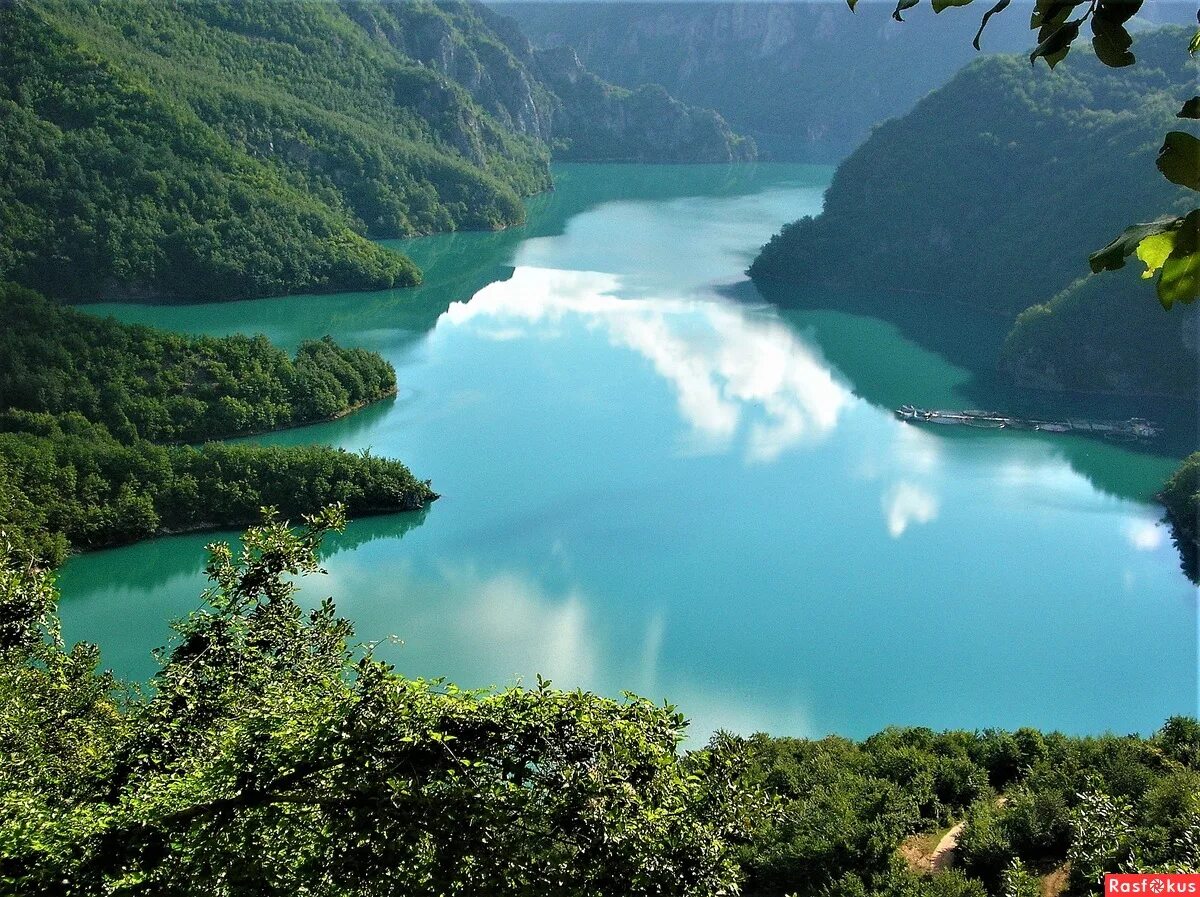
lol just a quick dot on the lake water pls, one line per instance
(654, 482)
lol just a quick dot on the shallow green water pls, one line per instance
(651, 486)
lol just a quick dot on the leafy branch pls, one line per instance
(1169, 246)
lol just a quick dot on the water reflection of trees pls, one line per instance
(372, 529)
(947, 344)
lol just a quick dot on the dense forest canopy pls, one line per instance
(1100, 334)
(109, 188)
(86, 403)
(206, 150)
(140, 382)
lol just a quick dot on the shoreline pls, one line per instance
(345, 412)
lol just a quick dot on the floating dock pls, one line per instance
(1133, 430)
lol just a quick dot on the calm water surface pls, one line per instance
(653, 482)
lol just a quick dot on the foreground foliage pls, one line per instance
(1034, 803)
(274, 758)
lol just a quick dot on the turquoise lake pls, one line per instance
(654, 482)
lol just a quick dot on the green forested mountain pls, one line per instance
(111, 187)
(210, 150)
(991, 193)
(85, 405)
(996, 187)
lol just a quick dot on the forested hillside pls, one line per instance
(991, 193)
(85, 405)
(1181, 496)
(142, 383)
(1105, 333)
(210, 150)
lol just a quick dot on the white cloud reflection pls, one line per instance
(905, 504)
(731, 371)
(1145, 535)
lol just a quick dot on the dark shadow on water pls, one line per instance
(971, 342)
(169, 558)
(961, 332)
(363, 530)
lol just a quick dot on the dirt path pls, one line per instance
(943, 854)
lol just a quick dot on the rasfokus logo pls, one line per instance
(1152, 884)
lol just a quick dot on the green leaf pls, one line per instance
(1179, 159)
(1111, 42)
(999, 7)
(939, 5)
(851, 4)
(1057, 44)
(1194, 44)
(1112, 257)
(1154, 249)
(1180, 278)
(1191, 109)
(901, 6)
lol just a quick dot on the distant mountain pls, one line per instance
(991, 193)
(806, 80)
(207, 149)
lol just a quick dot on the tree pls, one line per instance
(1168, 246)
(272, 757)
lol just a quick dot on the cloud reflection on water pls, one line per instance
(731, 371)
(907, 503)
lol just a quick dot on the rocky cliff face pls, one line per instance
(548, 95)
(597, 121)
(482, 52)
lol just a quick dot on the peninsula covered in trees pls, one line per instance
(94, 412)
